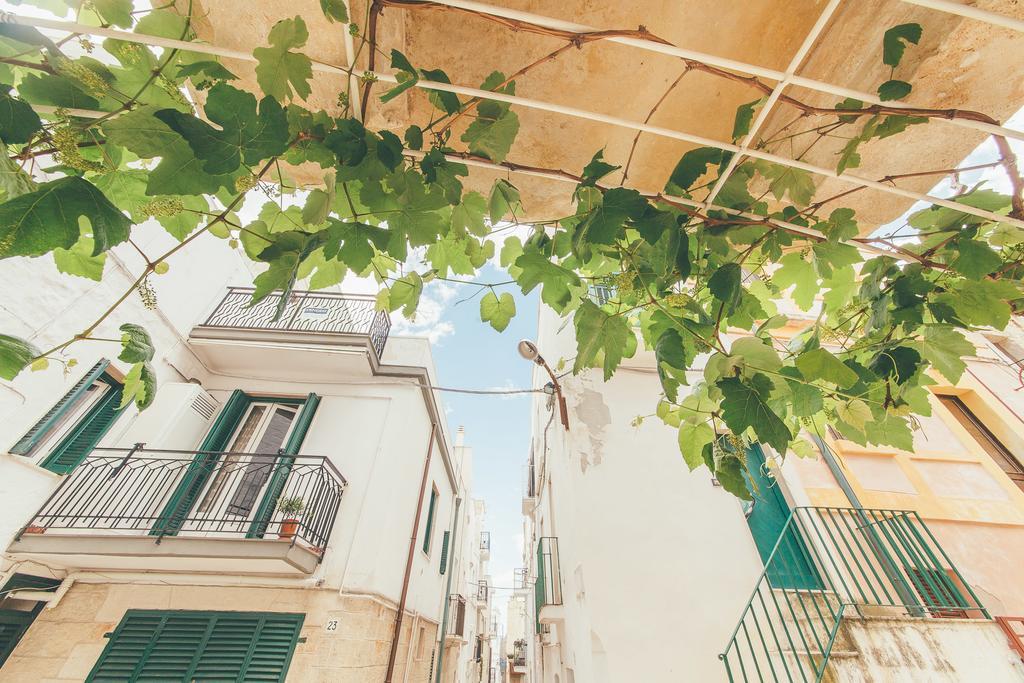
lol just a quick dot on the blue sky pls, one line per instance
(470, 354)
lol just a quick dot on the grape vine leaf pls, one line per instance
(596, 169)
(820, 364)
(604, 222)
(895, 40)
(893, 90)
(335, 10)
(602, 338)
(556, 281)
(944, 347)
(136, 344)
(139, 386)
(975, 259)
(497, 310)
(79, 260)
(745, 405)
(797, 272)
(245, 134)
(280, 71)
(18, 121)
(37, 222)
(693, 165)
(495, 127)
(504, 200)
(406, 74)
(692, 440)
(15, 355)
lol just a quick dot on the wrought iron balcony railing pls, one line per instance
(830, 561)
(456, 615)
(482, 591)
(196, 493)
(519, 653)
(324, 312)
(548, 587)
(485, 540)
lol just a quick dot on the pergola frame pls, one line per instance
(743, 149)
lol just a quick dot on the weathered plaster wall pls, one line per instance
(63, 643)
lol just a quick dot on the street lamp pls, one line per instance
(529, 351)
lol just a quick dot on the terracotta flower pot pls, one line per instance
(288, 528)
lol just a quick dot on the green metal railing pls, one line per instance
(829, 561)
(547, 589)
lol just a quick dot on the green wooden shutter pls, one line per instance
(198, 473)
(14, 623)
(80, 441)
(280, 477)
(444, 552)
(47, 421)
(199, 646)
(430, 521)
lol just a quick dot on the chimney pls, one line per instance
(460, 436)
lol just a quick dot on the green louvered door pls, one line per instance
(191, 646)
(80, 441)
(53, 416)
(280, 476)
(199, 471)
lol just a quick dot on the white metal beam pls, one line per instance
(531, 104)
(762, 115)
(971, 13)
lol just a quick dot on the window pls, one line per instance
(1002, 455)
(429, 531)
(70, 430)
(199, 646)
(937, 589)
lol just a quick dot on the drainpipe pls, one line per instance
(892, 573)
(408, 563)
(448, 592)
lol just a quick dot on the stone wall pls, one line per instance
(64, 643)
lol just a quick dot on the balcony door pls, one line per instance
(791, 565)
(232, 496)
(232, 486)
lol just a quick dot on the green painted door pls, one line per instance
(791, 565)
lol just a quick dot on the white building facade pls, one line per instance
(290, 493)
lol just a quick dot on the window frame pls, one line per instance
(428, 529)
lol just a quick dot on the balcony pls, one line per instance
(517, 659)
(530, 492)
(235, 336)
(206, 511)
(456, 618)
(485, 545)
(548, 588)
(483, 591)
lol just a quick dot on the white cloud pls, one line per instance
(429, 320)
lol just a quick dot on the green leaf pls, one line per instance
(982, 302)
(406, 74)
(894, 90)
(40, 221)
(497, 311)
(795, 182)
(821, 364)
(354, 243)
(600, 334)
(136, 344)
(208, 68)
(890, 430)
(899, 363)
(405, 294)
(15, 355)
(335, 10)
(18, 121)
(57, 91)
(724, 283)
(14, 181)
(856, 413)
(414, 137)
(693, 165)
(280, 71)
(974, 258)
(504, 200)
(348, 142)
(116, 12)
(797, 272)
(595, 170)
(604, 223)
(945, 348)
(448, 102)
(139, 386)
(692, 440)
(744, 117)
(556, 280)
(745, 406)
(469, 214)
(243, 134)
(492, 138)
(79, 260)
(674, 352)
(756, 353)
(895, 40)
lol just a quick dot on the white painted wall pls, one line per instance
(656, 562)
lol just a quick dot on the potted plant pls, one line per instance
(292, 509)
